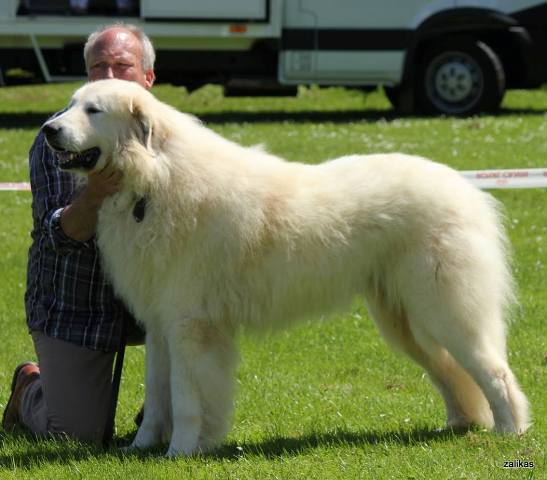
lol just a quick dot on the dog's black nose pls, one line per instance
(50, 130)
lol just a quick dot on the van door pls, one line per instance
(350, 41)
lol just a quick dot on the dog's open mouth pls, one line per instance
(85, 160)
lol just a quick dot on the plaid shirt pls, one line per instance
(67, 294)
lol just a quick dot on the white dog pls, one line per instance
(207, 236)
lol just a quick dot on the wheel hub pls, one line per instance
(454, 81)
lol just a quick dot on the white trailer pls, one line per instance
(436, 56)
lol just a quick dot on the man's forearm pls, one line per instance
(79, 219)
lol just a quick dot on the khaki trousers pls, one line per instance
(72, 395)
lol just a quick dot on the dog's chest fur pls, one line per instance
(130, 249)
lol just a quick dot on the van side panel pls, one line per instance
(350, 42)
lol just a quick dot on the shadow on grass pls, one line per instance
(37, 453)
(35, 120)
(287, 446)
(23, 120)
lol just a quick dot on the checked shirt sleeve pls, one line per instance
(52, 191)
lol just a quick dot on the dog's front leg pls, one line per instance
(183, 342)
(156, 425)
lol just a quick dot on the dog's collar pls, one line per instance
(139, 209)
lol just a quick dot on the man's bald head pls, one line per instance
(120, 51)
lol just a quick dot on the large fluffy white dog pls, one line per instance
(207, 236)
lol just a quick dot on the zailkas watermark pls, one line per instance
(518, 464)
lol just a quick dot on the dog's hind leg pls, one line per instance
(461, 312)
(156, 425)
(394, 327)
(466, 404)
(488, 367)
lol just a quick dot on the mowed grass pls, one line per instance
(327, 399)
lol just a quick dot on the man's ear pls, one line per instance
(149, 78)
(143, 124)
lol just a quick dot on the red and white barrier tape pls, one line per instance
(15, 186)
(517, 178)
(486, 179)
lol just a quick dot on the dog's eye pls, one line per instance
(92, 109)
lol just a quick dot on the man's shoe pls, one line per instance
(24, 375)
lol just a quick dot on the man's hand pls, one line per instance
(101, 184)
(79, 219)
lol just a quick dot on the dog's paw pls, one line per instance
(147, 437)
(183, 447)
(458, 422)
(175, 452)
(506, 429)
(202, 447)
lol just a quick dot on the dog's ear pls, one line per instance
(143, 128)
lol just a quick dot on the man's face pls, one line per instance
(117, 53)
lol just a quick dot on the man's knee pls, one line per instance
(87, 431)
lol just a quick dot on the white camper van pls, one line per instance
(434, 56)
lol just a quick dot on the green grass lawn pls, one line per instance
(326, 399)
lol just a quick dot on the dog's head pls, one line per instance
(103, 120)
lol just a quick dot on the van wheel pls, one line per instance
(401, 98)
(460, 77)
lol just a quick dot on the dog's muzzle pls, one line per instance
(85, 160)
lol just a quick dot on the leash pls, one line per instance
(116, 379)
(139, 211)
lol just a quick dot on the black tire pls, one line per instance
(401, 98)
(392, 94)
(461, 76)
